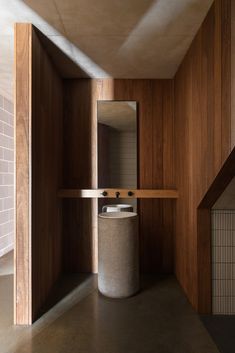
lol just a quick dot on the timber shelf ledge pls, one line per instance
(123, 193)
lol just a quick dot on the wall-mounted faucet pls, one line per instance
(117, 193)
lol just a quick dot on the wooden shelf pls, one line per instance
(111, 193)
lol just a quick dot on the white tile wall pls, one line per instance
(6, 176)
(223, 261)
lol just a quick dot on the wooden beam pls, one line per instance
(123, 193)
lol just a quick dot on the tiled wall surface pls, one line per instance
(6, 176)
(223, 261)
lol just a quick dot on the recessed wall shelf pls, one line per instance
(123, 193)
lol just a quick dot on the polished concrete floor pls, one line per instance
(221, 329)
(157, 320)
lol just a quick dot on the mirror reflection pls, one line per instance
(117, 145)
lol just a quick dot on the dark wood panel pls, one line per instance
(202, 127)
(226, 60)
(77, 242)
(153, 239)
(47, 114)
(77, 133)
(168, 175)
(39, 98)
(78, 170)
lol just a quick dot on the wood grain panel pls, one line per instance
(232, 74)
(168, 175)
(23, 270)
(202, 127)
(39, 98)
(78, 173)
(47, 114)
(226, 61)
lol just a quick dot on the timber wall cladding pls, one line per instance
(202, 121)
(47, 114)
(156, 167)
(22, 278)
(38, 175)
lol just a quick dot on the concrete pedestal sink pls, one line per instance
(118, 259)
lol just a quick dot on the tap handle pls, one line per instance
(130, 193)
(104, 193)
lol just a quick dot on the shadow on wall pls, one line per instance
(78, 168)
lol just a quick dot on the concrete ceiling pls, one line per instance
(107, 38)
(118, 115)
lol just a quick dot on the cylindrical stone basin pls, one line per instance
(118, 257)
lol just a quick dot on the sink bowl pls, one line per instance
(117, 208)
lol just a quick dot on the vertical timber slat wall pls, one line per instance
(47, 129)
(202, 125)
(38, 111)
(78, 170)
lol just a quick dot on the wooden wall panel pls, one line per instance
(202, 127)
(156, 166)
(47, 119)
(232, 74)
(39, 110)
(78, 169)
(22, 278)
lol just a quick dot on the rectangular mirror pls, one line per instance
(117, 144)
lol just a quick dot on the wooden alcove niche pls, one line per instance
(185, 137)
(56, 148)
